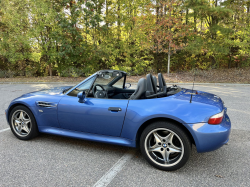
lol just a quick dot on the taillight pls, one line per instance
(216, 119)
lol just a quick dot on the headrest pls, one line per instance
(162, 83)
(140, 90)
(151, 87)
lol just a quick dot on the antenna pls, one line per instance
(193, 87)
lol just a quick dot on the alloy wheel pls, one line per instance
(164, 147)
(21, 123)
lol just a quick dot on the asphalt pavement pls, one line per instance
(59, 161)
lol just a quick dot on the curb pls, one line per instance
(38, 82)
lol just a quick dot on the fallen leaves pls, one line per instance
(234, 75)
(219, 176)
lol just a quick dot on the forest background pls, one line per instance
(70, 38)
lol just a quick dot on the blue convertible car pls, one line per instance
(163, 121)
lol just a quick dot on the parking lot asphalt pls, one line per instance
(59, 161)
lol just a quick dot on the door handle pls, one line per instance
(115, 109)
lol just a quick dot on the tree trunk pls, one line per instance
(168, 58)
(107, 13)
(50, 70)
(186, 16)
(119, 20)
(195, 21)
(248, 10)
(156, 42)
(157, 12)
(169, 50)
(230, 61)
(213, 60)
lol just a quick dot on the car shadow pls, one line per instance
(74, 143)
(214, 160)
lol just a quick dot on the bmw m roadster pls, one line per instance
(163, 121)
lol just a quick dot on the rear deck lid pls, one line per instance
(201, 97)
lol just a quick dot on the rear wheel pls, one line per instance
(22, 123)
(165, 146)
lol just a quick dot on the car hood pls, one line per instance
(52, 91)
(200, 97)
(52, 95)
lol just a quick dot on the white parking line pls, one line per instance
(110, 175)
(4, 130)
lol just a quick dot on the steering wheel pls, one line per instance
(100, 93)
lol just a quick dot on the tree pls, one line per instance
(137, 36)
(238, 40)
(167, 33)
(14, 40)
(213, 31)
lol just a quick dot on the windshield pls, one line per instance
(107, 78)
(83, 87)
(102, 81)
(103, 78)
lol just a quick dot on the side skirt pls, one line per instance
(87, 136)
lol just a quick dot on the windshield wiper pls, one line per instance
(64, 91)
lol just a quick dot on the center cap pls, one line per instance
(164, 145)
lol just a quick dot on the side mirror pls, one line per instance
(127, 85)
(81, 96)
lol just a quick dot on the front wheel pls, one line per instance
(165, 146)
(22, 123)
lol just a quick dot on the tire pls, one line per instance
(165, 146)
(22, 123)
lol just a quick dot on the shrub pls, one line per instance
(72, 72)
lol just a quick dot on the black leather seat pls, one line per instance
(162, 83)
(155, 80)
(140, 90)
(151, 86)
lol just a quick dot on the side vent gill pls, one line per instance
(45, 104)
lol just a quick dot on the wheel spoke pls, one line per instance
(166, 156)
(17, 122)
(169, 138)
(15, 117)
(26, 128)
(26, 121)
(19, 128)
(174, 150)
(154, 146)
(155, 149)
(21, 115)
(157, 137)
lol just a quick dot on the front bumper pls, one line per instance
(211, 137)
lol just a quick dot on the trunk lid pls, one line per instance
(201, 97)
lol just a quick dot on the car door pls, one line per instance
(98, 116)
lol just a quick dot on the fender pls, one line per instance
(12, 105)
(131, 126)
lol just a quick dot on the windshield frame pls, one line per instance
(79, 84)
(111, 83)
(99, 73)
